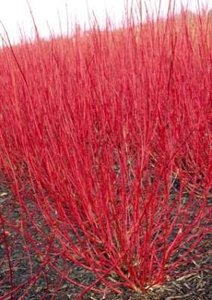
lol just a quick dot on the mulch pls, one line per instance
(16, 228)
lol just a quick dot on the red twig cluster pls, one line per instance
(107, 136)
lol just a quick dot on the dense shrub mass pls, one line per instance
(106, 137)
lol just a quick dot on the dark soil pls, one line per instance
(26, 263)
